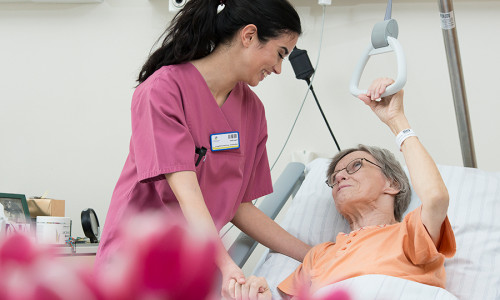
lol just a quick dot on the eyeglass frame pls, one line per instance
(337, 172)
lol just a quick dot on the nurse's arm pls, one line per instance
(261, 228)
(187, 191)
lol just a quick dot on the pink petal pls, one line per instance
(18, 248)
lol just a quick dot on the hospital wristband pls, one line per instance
(403, 135)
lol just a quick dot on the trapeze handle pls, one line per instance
(392, 89)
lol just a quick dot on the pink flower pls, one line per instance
(160, 259)
(17, 249)
(30, 271)
(336, 294)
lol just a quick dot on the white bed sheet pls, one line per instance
(473, 273)
(383, 287)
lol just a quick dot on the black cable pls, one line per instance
(303, 69)
(321, 110)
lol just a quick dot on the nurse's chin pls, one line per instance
(254, 83)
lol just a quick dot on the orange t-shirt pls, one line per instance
(403, 250)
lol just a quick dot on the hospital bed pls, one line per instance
(473, 273)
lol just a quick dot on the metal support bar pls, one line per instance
(457, 82)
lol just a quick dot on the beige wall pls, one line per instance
(67, 76)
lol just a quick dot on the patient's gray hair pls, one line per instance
(392, 170)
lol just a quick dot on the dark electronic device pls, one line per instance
(90, 225)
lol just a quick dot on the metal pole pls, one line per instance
(457, 82)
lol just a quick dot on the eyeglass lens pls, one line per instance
(351, 168)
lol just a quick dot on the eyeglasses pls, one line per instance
(351, 168)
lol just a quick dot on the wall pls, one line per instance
(67, 77)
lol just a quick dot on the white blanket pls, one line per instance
(372, 287)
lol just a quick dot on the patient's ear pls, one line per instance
(392, 187)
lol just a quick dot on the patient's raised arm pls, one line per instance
(424, 174)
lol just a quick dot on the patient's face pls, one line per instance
(362, 187)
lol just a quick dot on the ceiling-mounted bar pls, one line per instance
(388, 11)
(457, 82)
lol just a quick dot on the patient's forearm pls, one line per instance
(426, 180)
(424, 174)
(260, 227)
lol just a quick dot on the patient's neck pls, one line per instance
(370, 220)
(360, 216)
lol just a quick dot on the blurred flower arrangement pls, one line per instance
(158, 260)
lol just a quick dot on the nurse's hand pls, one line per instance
(231, 276)
(255, 288)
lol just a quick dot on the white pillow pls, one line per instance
(473, 273)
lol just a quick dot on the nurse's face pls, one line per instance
(266, 58)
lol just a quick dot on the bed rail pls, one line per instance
(285, 186)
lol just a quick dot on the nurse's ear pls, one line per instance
(248, 35)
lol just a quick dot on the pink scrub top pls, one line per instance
(174, 112)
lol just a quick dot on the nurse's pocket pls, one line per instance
(227, 165)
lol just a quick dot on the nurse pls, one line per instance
(198, 145)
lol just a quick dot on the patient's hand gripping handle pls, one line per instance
(384, 36)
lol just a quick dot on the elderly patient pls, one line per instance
(371, 191)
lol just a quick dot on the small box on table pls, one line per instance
(46, 207)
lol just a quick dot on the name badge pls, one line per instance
(225, 141)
